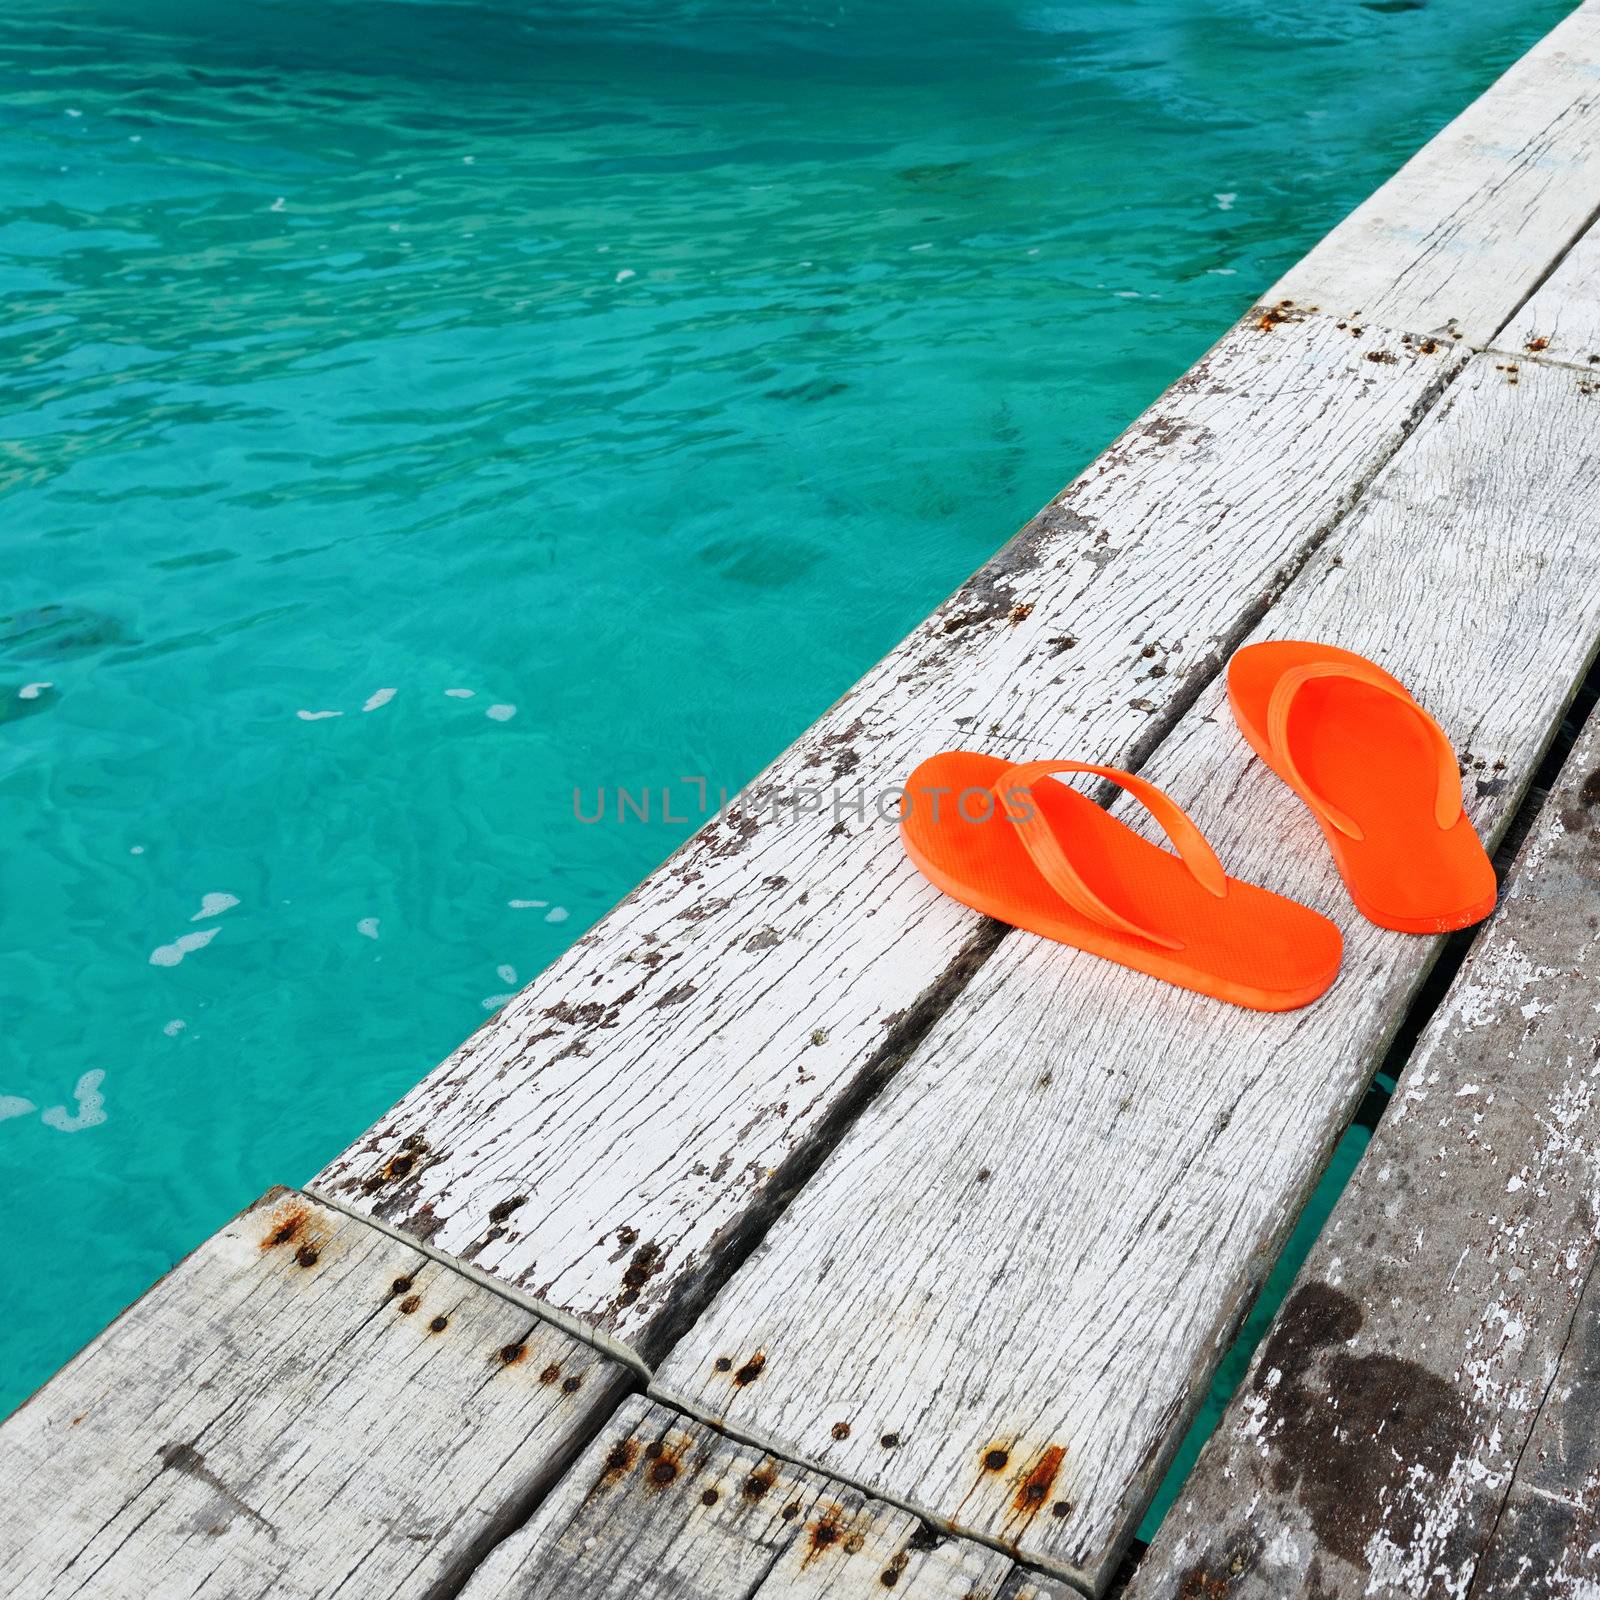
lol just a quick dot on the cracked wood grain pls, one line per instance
(1457, 239)
(1562, 320)
(1027, 1255)
(1419, 1421)
(1546, 1544)
(610, 1141)
(303, 1407)
(662, 1508)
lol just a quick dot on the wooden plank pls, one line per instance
(662, 1508)
(1027, 1255)
(1426, 1358)
(1026, 1585)
(1456, 240)
(1562, 320)
(609, 1142)
(303, 1407)
(1544, 1545)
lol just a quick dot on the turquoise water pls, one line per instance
(414, 411)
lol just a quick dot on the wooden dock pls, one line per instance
(800, 1233)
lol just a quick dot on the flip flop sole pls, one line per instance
(1364, 752)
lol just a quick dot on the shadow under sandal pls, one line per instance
(1008, 840)
(1379, 775)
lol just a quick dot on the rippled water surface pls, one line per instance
(414, 411)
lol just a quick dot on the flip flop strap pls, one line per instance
(1049, 855)
(1447, 791)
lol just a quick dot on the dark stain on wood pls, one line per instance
(1350, 1435)
(184, 1458)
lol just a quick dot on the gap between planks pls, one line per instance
(546, 1313)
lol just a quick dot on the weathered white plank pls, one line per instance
(303, 1407)
(1026, 1256)
(1371, 1447)
(662, 1508)
(1562, 320)
(1464, 231)
(609, 1139)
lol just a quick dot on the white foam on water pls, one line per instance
(213, 905)
(379, 697)
(317, 716)
(32, 691)
(625, 274)
(526, 905)
(1224, 201)
(501, 713)
(169, 955)
(136, 850)
(91, 1106)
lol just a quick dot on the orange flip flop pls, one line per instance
(1379, 775)
(1005, 839)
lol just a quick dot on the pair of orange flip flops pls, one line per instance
(1376, 770)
